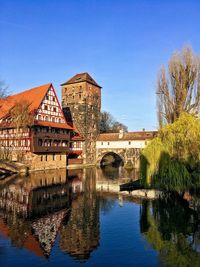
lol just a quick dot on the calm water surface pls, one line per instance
(59, 219)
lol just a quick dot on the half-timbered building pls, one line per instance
(43, 141)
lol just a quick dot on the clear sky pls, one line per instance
(121, 43)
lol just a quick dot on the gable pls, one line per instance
(49, 109)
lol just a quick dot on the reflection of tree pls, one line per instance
(81, 234)
(172, 229)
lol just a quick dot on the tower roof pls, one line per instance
(81, 77)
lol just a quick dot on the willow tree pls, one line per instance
(178, 87)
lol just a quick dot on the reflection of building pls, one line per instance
(33, 209)
(81, 234)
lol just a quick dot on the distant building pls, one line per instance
(45, 143)
(81, 102)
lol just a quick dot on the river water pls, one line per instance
(60, 219)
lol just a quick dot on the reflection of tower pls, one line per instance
(81, 102)
(81, 234)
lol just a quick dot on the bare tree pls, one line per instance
(3, 90)
(178, 89)
(22, 120)
(109, 125)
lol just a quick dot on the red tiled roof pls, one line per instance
(81, 77)
(126, 136)
(34, 96)
(53, 124)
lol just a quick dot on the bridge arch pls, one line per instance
(110, 157)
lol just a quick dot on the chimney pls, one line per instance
(121, 134)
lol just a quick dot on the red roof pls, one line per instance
(53, 124)
(126, 136)
(34, 96)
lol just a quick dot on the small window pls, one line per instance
(53, 119)
(47, 97)
(108, 143)
(54, 109)
(129, 142)
(41, 158)
(54, 99)
(45, 107)
(46, 118)
(53, 156)
(46, 157)
(102, 143)
(60, 157)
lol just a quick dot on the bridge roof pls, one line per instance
(143, 135)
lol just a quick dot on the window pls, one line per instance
(47, 97)
(45, 107)
(46, 157)
(53, 119)
(129, 142)
(54, 99)
(102, 143)
(46, 118)
(53, 156)
(54, 109)
(60, 157)
(41, 158)
(108, 143)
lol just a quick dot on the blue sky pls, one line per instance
(121, 43)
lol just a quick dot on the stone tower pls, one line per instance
(81, 102)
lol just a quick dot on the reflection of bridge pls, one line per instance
(122, 146)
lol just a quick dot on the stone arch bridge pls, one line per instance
(124, 146)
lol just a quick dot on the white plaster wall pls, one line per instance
(121, 144)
